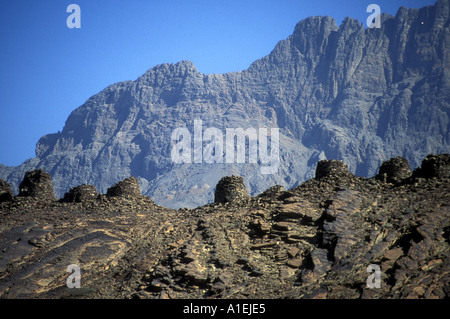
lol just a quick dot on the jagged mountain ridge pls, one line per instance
(341, 92)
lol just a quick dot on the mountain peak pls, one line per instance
(183, 67)
(314, 25)
(345, 93)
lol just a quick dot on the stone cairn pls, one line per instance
(231, 189)
(6, 193)
(394, 170)
(37, 184)
(126, 187)
(80, 194)
(434, 166)
(331, 168)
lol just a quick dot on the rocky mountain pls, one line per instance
(340, 92)
(334, 236)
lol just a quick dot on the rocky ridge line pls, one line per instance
(312, 241)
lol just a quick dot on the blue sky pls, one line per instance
(47, 69)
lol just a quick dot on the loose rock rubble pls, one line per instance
(312, 241)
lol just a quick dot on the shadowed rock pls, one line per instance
(38, 184)
(434, 166)
(231, 189)
(81, 193)
(6, 193)
(273, 192)
(126, 187)
(331, 168)
(394, 170)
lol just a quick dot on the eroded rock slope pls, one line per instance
(312, 241)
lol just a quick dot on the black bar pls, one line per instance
(221, 308)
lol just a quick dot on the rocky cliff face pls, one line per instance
(349, 93)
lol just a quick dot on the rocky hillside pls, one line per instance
(312, 241)
(343, 92)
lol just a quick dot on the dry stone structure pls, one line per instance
(126, 187)
(6, 192)
(231, 189)
(37, 184)
(394, 170)
(81, 193)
